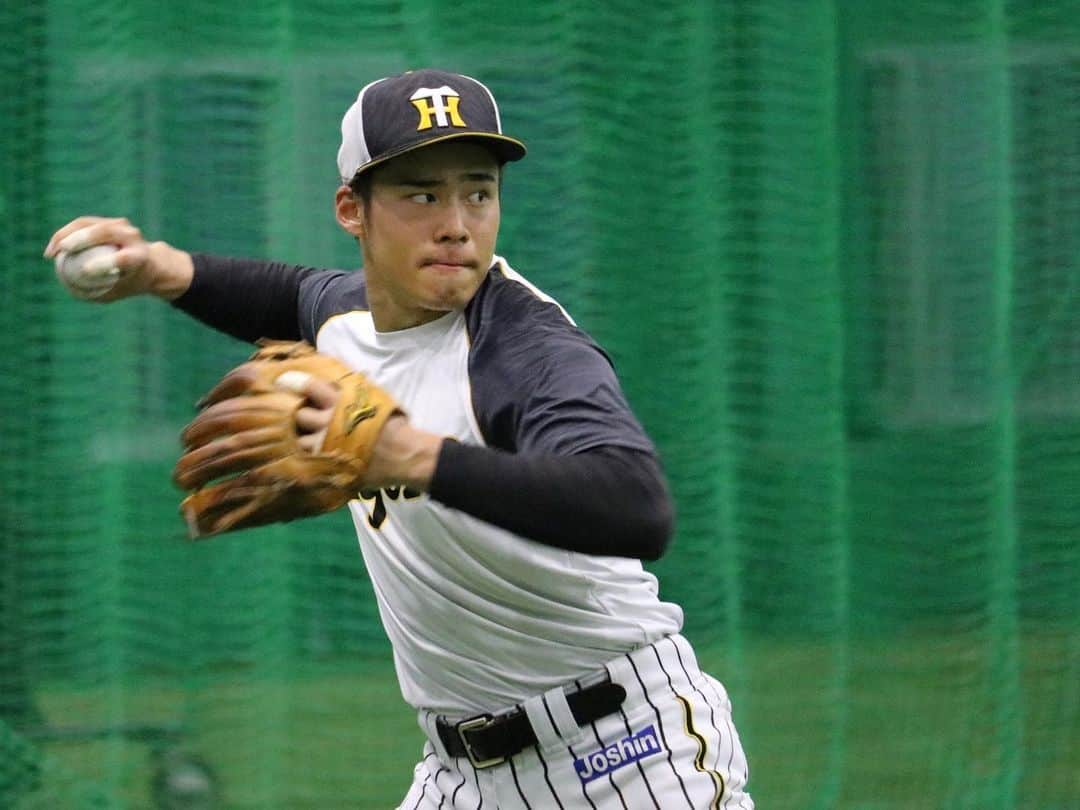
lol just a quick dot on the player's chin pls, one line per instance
(446, 294)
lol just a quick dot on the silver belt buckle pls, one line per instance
(473, 723)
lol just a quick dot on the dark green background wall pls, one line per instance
(833, 249)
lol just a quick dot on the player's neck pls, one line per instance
(390, 315)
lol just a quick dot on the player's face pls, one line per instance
(428, 234)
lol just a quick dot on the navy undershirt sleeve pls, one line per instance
(600, 497)
(566, 463)
(609, 501)
(246, 298)
(539, 384)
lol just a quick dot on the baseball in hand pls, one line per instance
(88, 274)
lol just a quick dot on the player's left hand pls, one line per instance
(289, 434)
(402, 455)
(315, 415)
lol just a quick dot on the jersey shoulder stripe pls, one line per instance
(538, 381)
(511, 274)
(325, 295)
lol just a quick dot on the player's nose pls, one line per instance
(451, 226)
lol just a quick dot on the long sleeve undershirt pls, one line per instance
(605, 501)
(611, 500)
(245, 298)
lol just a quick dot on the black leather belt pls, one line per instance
(489, 740)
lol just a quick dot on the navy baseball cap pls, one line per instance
(401, 113)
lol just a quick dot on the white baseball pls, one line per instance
(88, 274)
(293, 381)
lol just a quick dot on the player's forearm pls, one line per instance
(608, 501)
(245, 298)
(173, 270)
(404, 456)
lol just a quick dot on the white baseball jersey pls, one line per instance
(486, 621)
(479, 617)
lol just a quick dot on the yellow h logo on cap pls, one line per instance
(442, 103)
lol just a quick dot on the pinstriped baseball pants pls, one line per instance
(671, 745)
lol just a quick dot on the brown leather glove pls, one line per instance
(243, 465)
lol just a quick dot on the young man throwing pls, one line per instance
(506, 508)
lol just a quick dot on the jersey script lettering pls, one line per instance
(377, 511)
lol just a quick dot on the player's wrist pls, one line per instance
(170, 271)
(405, 455)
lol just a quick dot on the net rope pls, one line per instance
(833, 250)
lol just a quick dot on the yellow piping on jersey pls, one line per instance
(470, 406)
(699, 760)
(510, 274)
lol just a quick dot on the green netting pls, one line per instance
(834, 250)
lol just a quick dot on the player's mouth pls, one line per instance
(448, 265)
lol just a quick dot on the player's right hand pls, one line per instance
(148, 268)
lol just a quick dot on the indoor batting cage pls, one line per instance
(833, 249)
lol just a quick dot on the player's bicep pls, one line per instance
(245, 298)
(575, 403)
(317, 298)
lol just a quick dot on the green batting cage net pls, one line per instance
(834, 250)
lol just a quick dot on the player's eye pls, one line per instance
(423, 197)
(480, 196)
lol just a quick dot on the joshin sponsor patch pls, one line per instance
(619, 754)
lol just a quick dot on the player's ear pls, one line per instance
(349, 210)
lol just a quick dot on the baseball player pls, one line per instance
(509, 495)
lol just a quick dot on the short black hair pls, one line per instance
(360, 186)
